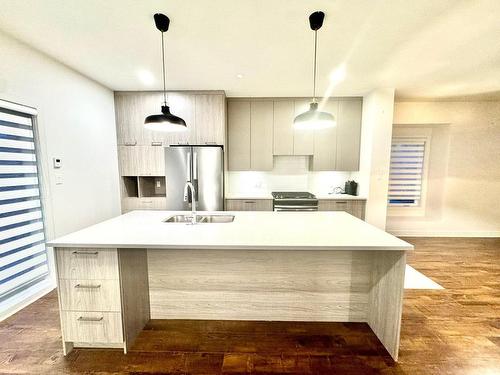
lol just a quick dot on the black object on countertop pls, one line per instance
(351, 188)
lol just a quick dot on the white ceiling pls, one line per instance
(424, 48)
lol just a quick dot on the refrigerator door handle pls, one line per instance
(195, 175)
(195, 166)
(188, 167)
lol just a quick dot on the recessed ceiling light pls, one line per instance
(239, 75)
(146, 77)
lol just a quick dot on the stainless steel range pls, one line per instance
(294, 201)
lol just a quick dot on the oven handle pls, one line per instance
(277, 209)
(295, 206)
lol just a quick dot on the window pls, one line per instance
(407, 179)
(23, 255)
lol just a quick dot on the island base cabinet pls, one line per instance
(92, 327)
(103, 296)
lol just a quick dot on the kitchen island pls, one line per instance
(115, 276)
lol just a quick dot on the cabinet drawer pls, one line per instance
(92, 327)
(90, 295)
(249, 205)
(87, 263)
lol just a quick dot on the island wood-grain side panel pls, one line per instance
(260, 285)
(134, 292)
(386, 298)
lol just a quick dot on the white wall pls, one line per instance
(290, 173)
(464, 168)
(75, 123)
(376, 134)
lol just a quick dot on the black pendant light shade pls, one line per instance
(166, 121)
(312, 118)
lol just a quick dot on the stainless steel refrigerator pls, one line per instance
(203, 166)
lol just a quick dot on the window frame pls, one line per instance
(413, 134)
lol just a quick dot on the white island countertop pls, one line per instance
(250, 230)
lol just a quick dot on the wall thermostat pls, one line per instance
(57, 162)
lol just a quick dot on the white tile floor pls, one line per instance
(417, 280)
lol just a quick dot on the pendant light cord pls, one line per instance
(314, 69)
(163, 70)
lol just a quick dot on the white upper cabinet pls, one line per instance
(284, 113)
(325, 142)
(258, 129)
(238, 133)
(261, 135)
(303, 140)
(348, 134)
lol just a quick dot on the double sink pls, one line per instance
(202, 219)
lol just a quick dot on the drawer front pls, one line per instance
(89, 264)
(90, 295)
(249, 205)
(92, 327)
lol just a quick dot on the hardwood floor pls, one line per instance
(451, 331)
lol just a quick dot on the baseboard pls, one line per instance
(25, 298)
(427, 233)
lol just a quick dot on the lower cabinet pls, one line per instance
(101, 296)
(355, 207)
(249, 204)
(151, 203)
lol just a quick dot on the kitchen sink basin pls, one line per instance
(216, 218)
(200, 219)
(180, 219)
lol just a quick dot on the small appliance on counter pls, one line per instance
(351, 188)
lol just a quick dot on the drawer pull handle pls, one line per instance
(131, 143)
(88, 319)
(250, 202)
(80, 286)
(156, 143)
(341, 202)
(85, 252)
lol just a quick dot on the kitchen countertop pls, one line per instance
(250, 230)
(269, 196)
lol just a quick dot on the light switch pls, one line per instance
(57, 162)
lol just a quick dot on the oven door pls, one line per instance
(287, 207)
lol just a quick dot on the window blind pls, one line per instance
(406, 171)
(23, 255)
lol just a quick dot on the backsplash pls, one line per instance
(290, 173)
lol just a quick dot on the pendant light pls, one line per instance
(313, 118)
(166, 121)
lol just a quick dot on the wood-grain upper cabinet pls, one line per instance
(261, 135)
(284, 113)
(204, 114)
(238, 132)
(303, 140)
(325, 142)
(348, 134)
(131, 109)
(209, 119)
(141, 160)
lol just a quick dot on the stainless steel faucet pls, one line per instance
(187, 187)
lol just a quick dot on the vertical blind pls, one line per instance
(23, 255)
(405, 179)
